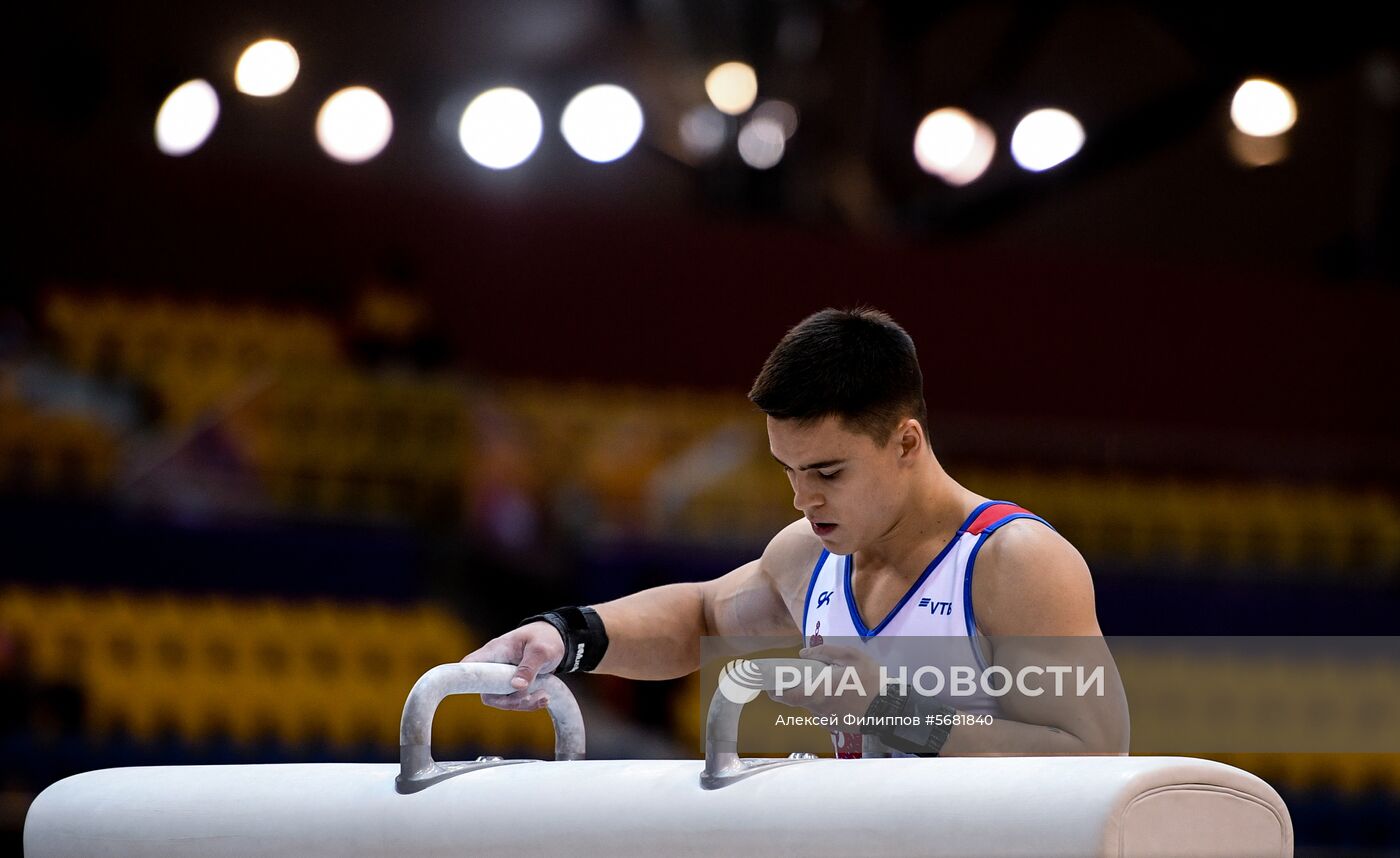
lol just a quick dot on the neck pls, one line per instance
(928, 522)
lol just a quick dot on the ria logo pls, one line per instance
(740, 681)
(945, 608)
(824, 598)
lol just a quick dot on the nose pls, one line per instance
(804, 499)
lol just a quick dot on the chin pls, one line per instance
(834, 541)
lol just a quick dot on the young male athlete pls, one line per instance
(889, 545)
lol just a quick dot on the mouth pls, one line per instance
(822, 528)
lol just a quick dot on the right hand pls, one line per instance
(535, 648)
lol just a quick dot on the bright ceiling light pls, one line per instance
(732, 87)
(761, 143)
(1262, 108)
(1046, 138)
(602, 123)
(187, 118)
(501, 128)
(266, 68)
(954, 146)
(354, 125)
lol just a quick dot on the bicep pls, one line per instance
(1069, 684)
(745, 603)
(1036, 604)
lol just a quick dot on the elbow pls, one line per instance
(706, 621)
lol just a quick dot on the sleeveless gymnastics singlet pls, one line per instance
(939, 604)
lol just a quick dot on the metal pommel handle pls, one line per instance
(417, 769)
(740, 681)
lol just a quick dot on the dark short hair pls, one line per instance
(858, 365)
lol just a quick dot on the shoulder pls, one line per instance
(1031, 581)
(790, 557)
(764, 596)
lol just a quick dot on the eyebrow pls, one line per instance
(828, 464)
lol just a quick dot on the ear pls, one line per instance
(910, 436)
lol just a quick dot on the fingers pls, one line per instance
(785, 699)
(494, 651)
(532, 660)
(794, 697)
(834, 654)
(817, 704)
(536, 659)
(534, 649)
(517, 701)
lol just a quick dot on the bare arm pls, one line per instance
(655, 634)
(1034, 599)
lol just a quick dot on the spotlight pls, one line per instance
(761, 143)
(266, 68)
(354, 125)
(187, 118)
(501, 128)
(1262, 108)
(954, 146)
(1046, 138)
(602, 123)
(732, 87)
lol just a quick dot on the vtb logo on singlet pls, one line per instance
(945, 608)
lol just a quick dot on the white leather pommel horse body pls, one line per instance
(954, 807)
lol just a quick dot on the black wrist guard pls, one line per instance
(929, 723)
(585, 639)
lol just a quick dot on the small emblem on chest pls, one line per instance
(945, 608)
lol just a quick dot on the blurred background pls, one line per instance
(336, 337)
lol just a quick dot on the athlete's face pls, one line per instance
(849, 488)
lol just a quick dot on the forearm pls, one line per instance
(654, 634)
(920, 724)
(1004, 737)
